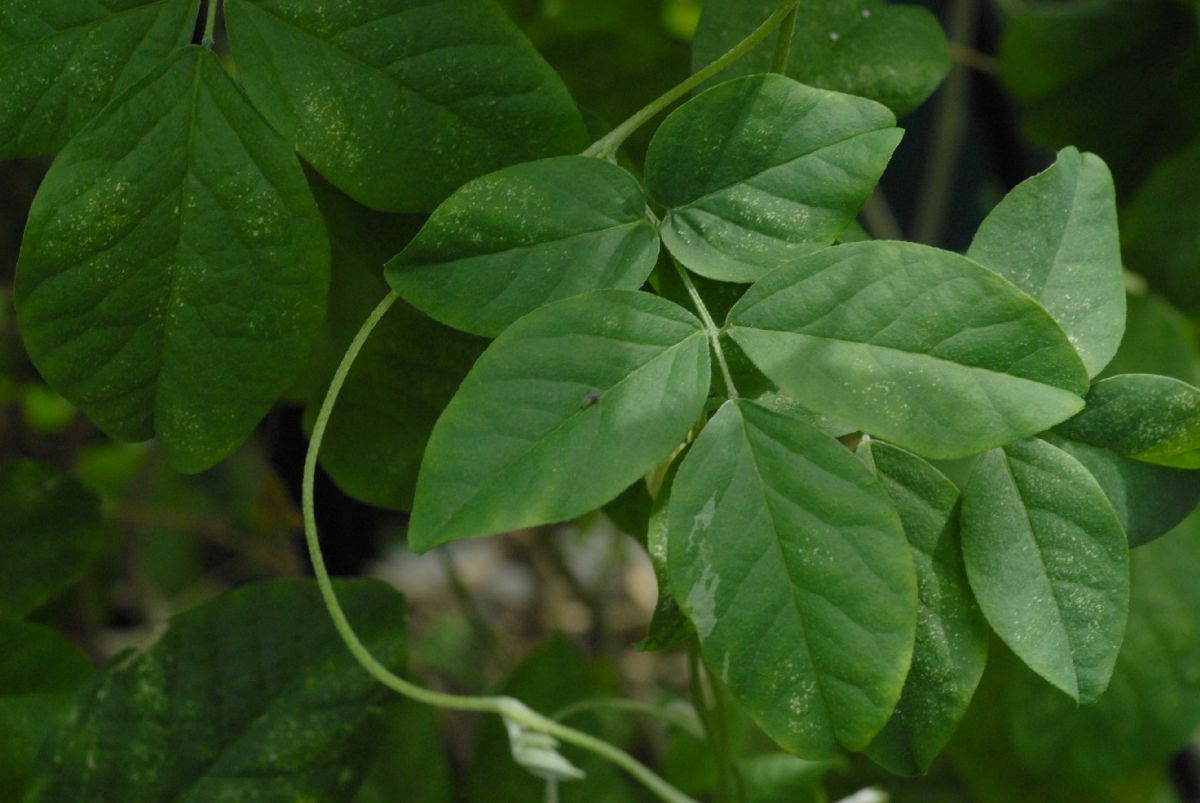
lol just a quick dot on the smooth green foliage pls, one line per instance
(1161, 232)
(50, 530)
(1153, 701)
(550, 678)
(566, 409)
(952, 638)
(62, 60)
(1048, 563)
(782, 778)
(784, 552)
(249, 697)
(39, 673)
(398, 102)
(915, 345)
(509, 242)
(1149, 500)
(760, 170)
(894, 53)
(668, 625)
(1055, 236)
(1151, 418)
(174, 269)
(403, 378)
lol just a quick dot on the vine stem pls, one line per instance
(710, 328)
(606, 147)
(510, 708)
(783, 45)
(210, 24)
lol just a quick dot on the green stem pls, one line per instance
(606, 147)
(210, 23)
(710, 328)
(508, 707)
(783, 45)
(941, 163)
(881, 221)
(617, 704)
(718, 746)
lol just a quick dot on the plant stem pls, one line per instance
(783, 45)
(880, 219)
(617, 704)
(718, 745)
(210, 24)
(508, 707)
(606, 147)
(941, 163)
(710, 328)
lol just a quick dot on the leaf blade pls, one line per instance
(760, 170)
(174, 269)
(808, 542)
(594, 391)
(510, 241)
(1048, 563)
(429, 93)
(918, 346)
(1055, 236)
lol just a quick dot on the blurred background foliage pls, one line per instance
(553, 614)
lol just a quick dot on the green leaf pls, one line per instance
(1055, 236)
(61, 61)
(1151, 418)
(915, 345)
(550, 678)
(50, 529)
(174, 269)
(952, 637)
(1152, 706)
(1048, 563)
(790, 561)
(509, 242)
(1149, 500)
(252, 696)
(39, 673)
(564, 411)
(895, 54)
(403, 378)
(782, 778)
(398, 102)
(1161, 228)
(760, 170)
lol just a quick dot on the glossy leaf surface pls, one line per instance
(61, 61)
(398, 102)
(894, 53)
(509, 242)
(50, 529)
(1151, 418)
(1048, 563)
(785, 552)
(952, 637)
(760, 170)
(252, 696)
(1055, 236)
(566, 409)
(174, 269)
(918, 346)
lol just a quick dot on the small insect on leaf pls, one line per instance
(589, 400)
